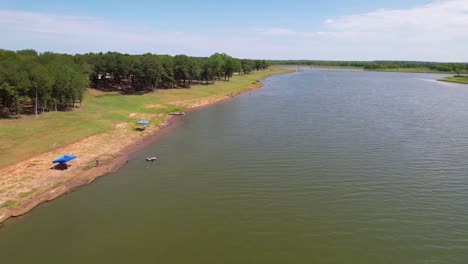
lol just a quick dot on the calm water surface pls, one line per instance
(317, 167)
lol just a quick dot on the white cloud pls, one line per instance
(439, 21)
(83, 34)
(436, 31)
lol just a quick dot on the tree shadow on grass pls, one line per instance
(4, 115)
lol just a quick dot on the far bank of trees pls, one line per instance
(376, 65)
(150, 71)
(35, 83)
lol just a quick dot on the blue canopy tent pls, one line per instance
(143, 122)
(62, 161)
(64, 158)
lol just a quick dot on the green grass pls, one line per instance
(462, 79)
(57, 184)
(8, 204)
(89, 165)
(24, 195)
(29, 136)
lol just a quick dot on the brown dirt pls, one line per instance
(35, 180)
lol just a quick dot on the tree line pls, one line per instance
(52, 82)
(45, 81)
(150, 71)
(376, 65)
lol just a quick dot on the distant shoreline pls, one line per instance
(455, 79)
(352, 68)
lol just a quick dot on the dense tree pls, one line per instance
(41, 80)
(230, 66)
(40, 85)
(51, 81)
(150, 71)
(216, 63)
(182, 69)
(207, 73)
(194, 69)
(247, 66)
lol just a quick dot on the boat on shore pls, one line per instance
(180, 113)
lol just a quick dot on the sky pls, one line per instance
(423, 30)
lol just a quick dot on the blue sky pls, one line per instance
(433, 30)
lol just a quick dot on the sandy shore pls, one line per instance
(35, 180)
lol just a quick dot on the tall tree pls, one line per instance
(40, 83)
(216, 63)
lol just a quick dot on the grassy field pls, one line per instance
(30, 136)
(463, 79)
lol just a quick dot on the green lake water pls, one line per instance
(316, 167)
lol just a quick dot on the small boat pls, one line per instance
(151, 158)
(177, 113)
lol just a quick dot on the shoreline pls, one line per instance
(82, 176)
(87, 176)
(459, 80)
(361, 69)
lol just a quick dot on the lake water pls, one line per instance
(316, 167)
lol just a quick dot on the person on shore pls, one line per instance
(97, 163)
